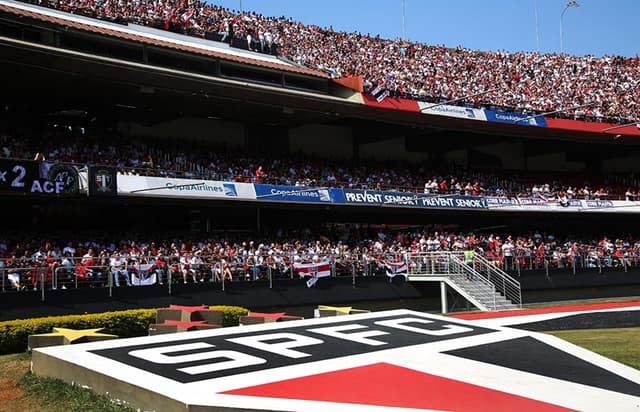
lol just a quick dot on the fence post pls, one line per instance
(110, 282)
(291, 263)
(353, 274)
(42, 275)
(546, 267)
(494, 301)
(270, 277)
(169, 280)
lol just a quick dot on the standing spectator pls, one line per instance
(260, 174)
(507, 252)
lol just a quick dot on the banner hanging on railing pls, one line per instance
(515, 118)
(419, 200)
(143, 274)
(102, 181)
(183, 188)
(39, 177)
(459, 112)
(313, 270)
(543, 204)
(396, 268)
(280, 193)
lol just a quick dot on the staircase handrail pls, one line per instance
(503, 282)
(473, 276)
(480, 269)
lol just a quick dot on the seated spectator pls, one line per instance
(118, 265)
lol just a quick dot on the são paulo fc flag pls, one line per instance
(143, 275)
(396, 268)
(313, 270)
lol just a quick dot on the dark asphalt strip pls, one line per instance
(595, 320)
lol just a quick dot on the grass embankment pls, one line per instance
(20, 391)
(617, 344)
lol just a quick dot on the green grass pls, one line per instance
(59, 396)
(22, 391)
(622, 345)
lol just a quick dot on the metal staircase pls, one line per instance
(479, 281)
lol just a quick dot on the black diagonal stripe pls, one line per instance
(530, 355)
(596, 320)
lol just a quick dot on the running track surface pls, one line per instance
(582, 307)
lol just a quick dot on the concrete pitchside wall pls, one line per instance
(290, 293)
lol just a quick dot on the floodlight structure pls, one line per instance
(566, 7)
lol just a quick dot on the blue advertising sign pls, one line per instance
(515, 118)
(280, 193)
(399, 199)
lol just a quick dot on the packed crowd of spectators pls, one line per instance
(65, 263)
(588, 87)
(198, 162)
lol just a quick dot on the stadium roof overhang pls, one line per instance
(71, 61)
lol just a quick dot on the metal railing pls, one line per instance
(562, 262)
(476, 268)
(168, 271)
(501, 280)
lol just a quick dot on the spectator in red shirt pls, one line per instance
(260, 174)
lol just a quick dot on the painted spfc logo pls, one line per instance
(385, 361)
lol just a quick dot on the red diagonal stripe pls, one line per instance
(585, 307)
(383, 384)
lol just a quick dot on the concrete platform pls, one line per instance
(397, 360)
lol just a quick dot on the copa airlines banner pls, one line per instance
(182, 188)
(460, 112)
(541, 204)
(419, 200)
(279, 193)
(515, 118)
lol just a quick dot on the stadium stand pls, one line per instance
(201, 162)
(72, 263)
(589, 88)
(201, 116)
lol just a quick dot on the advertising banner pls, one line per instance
(183, 188)
(460, 112)
(400, 199)
(279, 193)
(541, 204)
(41, 178)
(519, 119)
(102, 181)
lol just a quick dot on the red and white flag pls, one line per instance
(396, 268)
(186, 15)
(313, 270)
(143, 274)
